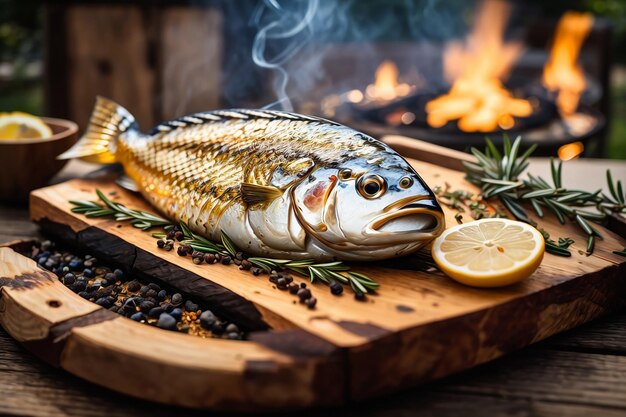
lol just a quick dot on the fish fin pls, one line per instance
(128, 183)
(108, 121)
(254, 193)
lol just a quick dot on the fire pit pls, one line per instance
(554, 107)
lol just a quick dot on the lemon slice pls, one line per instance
(22, 126)
(489, 252)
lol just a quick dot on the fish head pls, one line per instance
(369, 205)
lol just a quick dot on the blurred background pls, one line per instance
(447, 71)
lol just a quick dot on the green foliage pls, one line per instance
(498, 175)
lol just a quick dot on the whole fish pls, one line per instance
(279, 184)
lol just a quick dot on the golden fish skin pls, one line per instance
(279, 184)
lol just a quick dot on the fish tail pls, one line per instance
(98, 144)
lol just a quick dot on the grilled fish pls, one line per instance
(278, 184)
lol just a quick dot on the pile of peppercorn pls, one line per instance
(118, 292)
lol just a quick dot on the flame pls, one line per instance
(562, 73)
(571, 151)
(477, 98)
(386, 85)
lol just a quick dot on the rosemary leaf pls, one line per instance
(537, 207)
(609, 180)
(591, 241)
(584, 224)
(228, 244)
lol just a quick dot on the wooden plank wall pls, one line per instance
(160, 62)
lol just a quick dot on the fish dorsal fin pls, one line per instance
(254, 193)
(234, 114)
(128, 183)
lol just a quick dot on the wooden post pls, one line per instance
(157, 61)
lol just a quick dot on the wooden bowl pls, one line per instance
(28, 164)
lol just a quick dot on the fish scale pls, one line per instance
(267, 178)
(206, 152)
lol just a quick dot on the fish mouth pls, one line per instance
(415, 217)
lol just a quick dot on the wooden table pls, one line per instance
(579, 373)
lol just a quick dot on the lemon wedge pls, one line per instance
(22, 126)
(489, 252)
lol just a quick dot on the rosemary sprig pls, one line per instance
(497, 174)
(620, 252)
(140, 219)
(328, 273)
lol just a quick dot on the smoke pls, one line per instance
(303, 50)
(290, 26)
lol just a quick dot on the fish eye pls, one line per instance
(345, 174)
(372, 186)
(406, 182)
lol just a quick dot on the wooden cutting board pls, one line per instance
(420, 326)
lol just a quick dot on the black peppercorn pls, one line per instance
(191, 306)
(104, 302)
(137, 317)
(207, 318)
(311, 302)
(293, 288)
(232, 328)
(303, 294)
(69, 279)
(336, 288)
(155, 312)
(217, 328)
(177, 299)
(166, 322)
(146, 306)
(281, 283)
